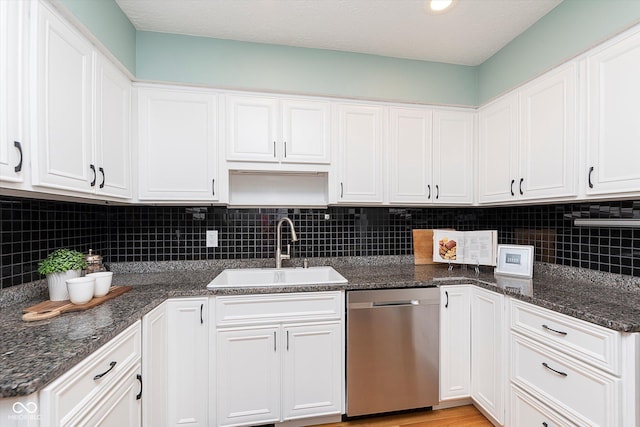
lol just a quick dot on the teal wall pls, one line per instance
(110, 25)
(233, 64)
(571, 28)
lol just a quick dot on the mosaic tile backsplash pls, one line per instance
(30, 229)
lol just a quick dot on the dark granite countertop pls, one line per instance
(32, 354)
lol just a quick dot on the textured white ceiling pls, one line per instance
(468, 34)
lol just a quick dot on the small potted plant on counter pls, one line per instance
(60, 265)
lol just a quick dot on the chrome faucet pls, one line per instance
(294, 238)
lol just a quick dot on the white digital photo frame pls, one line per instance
(515, 260)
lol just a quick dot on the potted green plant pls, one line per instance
(60, 265)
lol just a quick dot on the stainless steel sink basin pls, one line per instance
(261, 277)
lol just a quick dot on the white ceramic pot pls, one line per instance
(81, 289)
(57, 283)
(103, 282)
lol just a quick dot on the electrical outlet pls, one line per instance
(212, 238)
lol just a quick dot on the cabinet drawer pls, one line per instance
(241, 309)
(585, 341)
(78, 387)
(525, 411)
(574, 389)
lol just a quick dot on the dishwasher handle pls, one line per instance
(383, 304)
(396, 303)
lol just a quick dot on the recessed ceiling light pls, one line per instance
(438, 6)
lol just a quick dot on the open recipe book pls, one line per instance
(465, 247)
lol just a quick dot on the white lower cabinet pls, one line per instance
(187, 361)
(571, 371)
(154, 367)
(279, 357)
(488, 352)
(525, 411)
(103, 389)
(312, 370)
(455, 342)
(175, 363)
(248, 376)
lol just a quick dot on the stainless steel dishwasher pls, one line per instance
(392, 350)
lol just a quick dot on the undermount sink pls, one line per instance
(260, 277)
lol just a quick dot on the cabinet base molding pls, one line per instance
(311, 421)
(453, 403)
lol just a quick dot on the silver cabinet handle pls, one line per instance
(201, 319)
(287, 340)
(554, 330)
(564, 374)
(275, 348)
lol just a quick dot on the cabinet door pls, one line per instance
(154, 367)
(177, 145)
(305, 132)
(113, 148)
(248, 376)
(410, 169)
(613, 128)
(455, 342)
(453, 168)
(252, 128)
(120, 406)
(487, 358)
(12, 161)
(498, 150)
(312, 370)
(547, 141)
(187, 360)
(360, 136)
(64, 105)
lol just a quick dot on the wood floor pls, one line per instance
(466, 416)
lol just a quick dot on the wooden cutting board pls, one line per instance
(423, 247)
(48, 309)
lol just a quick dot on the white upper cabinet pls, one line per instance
(82, 109)
(360, 137)
(431, 156)
(410, 169)
(453, 172)
(527, 141)
(548, 136)
(63, 157)
(113, 146)
(498, 150)
(613, 128)
(277, 130)
(12, 147)
(177, 144)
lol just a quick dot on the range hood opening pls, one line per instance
(278, 189)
